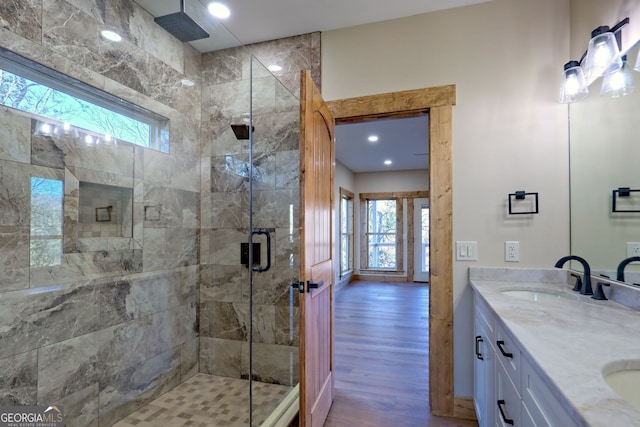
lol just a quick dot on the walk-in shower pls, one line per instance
(124, 298)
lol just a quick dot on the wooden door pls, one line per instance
(316, 255)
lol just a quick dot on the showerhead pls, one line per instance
(181, 25)
(242, 131)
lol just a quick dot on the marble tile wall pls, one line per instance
(122, 320)
(224, 288)
(116, 324)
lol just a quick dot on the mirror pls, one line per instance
(604, 153)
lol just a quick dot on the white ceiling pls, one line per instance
(404, 141)
(253, 21)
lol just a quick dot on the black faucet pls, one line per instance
(586, 284)
(623, 264)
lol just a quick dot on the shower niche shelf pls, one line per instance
(105, 211)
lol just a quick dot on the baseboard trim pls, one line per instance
(463, 408)
(343, 282)
(379, 278)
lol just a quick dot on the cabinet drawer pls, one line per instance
(541, 402)
(507, 404)
(508, 353)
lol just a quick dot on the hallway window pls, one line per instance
(346, 232)
(68, 103)
(45, 247)
(381, 234)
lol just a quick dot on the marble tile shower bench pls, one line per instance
(101, 347)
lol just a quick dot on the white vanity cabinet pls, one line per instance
(508, 391)
(484, 365)
(540, 404)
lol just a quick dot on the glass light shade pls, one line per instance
(619, 83)
(637, 66)
(603, 54)
(574, 85)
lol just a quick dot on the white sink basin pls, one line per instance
(537, 295)
(625, 382)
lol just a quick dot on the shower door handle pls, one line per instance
(266, 233)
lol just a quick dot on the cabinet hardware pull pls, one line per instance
(478, 341)
(504, 417)
(501, 347)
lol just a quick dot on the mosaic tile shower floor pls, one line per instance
(208, 401)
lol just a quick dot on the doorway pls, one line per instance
(438, 102)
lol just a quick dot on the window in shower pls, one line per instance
(45, 246)
(68, 103)
(346, 232)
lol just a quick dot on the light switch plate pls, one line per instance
(466, 251)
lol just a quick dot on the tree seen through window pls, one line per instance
(381, 234)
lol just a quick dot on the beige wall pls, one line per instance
(505, 58)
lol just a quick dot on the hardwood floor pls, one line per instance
(382, 375)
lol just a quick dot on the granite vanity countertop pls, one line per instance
(569, 339)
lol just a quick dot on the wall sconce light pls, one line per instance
(601, 59)
(574, 85)
(618, 83)
(603, 54)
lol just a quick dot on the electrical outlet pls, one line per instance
(512, 251)
(633, 249)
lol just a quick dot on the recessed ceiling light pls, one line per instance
(373, 138)
(274, 67)
(111, 35)
(387, 162)
(219, 10)
(187, 82)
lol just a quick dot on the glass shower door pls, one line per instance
(273, 206)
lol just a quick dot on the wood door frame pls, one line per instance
(438, 102)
